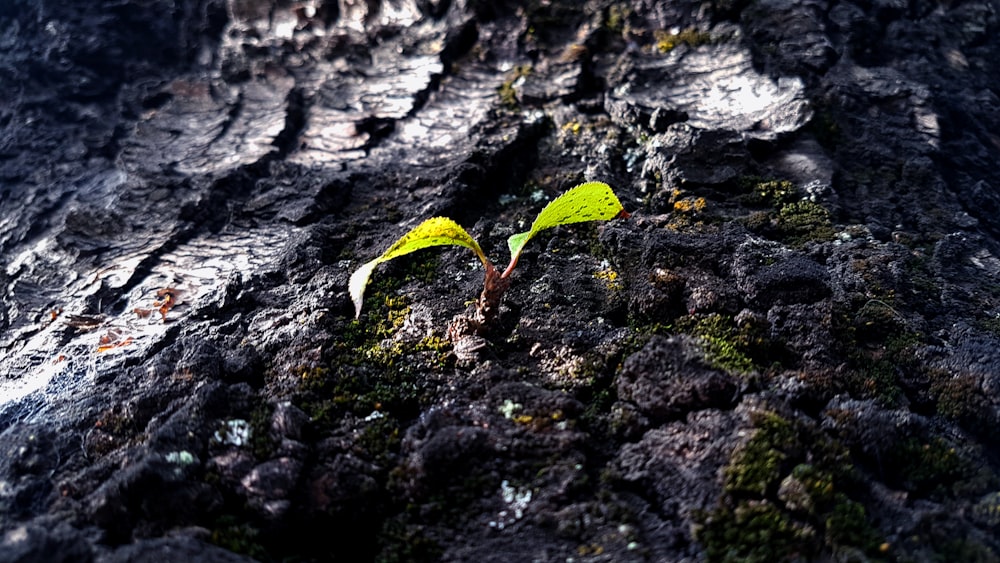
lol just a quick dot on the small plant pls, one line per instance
(592, 201)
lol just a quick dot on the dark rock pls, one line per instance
(676, 466)
(668, 379)
(38, 544)
(767, 275)
(175, 548)
(186, 187)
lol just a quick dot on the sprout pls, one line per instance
(592, 201)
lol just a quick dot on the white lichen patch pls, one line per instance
(235, 432)
(561, 366)
(516, 499)
(509, 409)
(180, 458)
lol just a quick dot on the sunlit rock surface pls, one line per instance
(793, 337)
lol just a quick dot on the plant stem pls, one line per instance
(494, 286)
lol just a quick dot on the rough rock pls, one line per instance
(788, 351)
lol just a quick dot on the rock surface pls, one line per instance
(788, 352)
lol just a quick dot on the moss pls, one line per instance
(438, 349)
(757, 466)
(261, 443)
(878, 369)
(928, 467)
(739, 349)
(508, 90)
(960, 398)
(804, 221)
(366, 367)
(968, 550)
(773, 193)
(617, 17)
(404, 542)
(987, 510)
(380, 438)
(791, 219)
(755, 531)
(825, 128)
(880, 349)
(847, 525)
(229, 532)
(667, 41)
(990, 325)
(785, 497)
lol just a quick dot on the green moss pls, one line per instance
(261, 442)
(238, 536)
(804, 221)
(508, 90)
(928, 468)
(380, 438)
(367, 368)
(770, 192)
(960, 398)
(757, 466)
(967, 550)
(403, 542)
(617, 17)
(990, 325)
(739, 349)
(825, 128)
(667, 41)
(880, 348)
(847, 525)
(784, 498)
(878, 369)
(791, 219)
(755, 532)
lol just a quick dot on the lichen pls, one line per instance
(508, 89)
(610, 277)
(667, 41)
(690, 205)
(617, 17)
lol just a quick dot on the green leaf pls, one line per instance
(436, 231)
(593, 201)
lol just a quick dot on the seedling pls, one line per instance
(592, 201)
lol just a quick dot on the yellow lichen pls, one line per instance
(666, 41)
(610, 278)
(573, 127)
(689, 205)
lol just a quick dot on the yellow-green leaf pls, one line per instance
(436, 231)
(593, 201)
